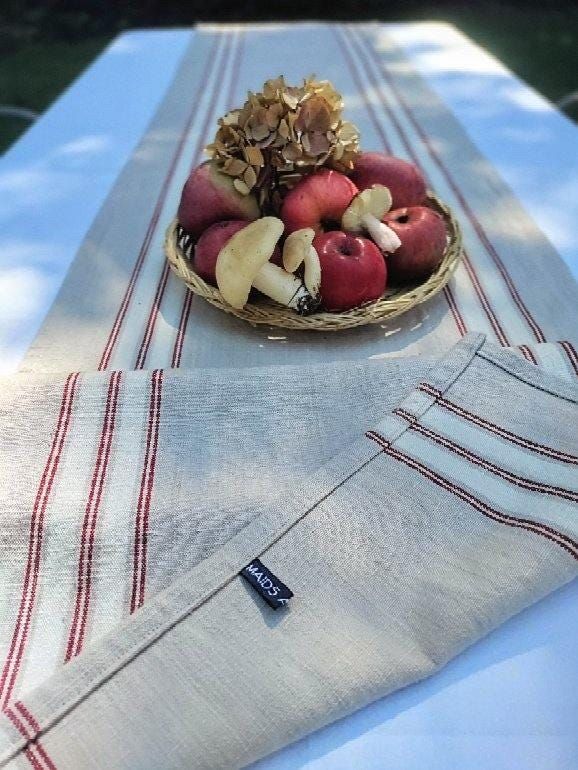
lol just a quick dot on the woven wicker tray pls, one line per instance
(396, 300)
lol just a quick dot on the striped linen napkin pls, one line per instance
(408, 504)
(121, 307)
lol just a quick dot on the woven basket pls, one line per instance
(396, 300)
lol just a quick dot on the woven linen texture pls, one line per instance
(451, 513)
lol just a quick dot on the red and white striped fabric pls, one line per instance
(511, 285)
(150, 491)
(118, 478)
(75, 556)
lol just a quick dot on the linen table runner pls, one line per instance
(130, 500)
(421, 506)
(121, 307)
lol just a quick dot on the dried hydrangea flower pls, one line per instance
(281, 133)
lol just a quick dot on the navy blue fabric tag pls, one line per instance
(269, 587)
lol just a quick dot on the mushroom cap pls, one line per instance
(375, 200)
(242, 257)
(297, 247)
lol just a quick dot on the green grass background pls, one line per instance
(539, 43)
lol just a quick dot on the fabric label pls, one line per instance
(269, 587)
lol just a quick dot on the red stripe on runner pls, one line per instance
(189, 296)
(34, 745)
(145, 495)
(28, 750)
(533, 486)
(231, 93)
(149, 491)
(197, 153)
(180, 338)
(362, 90)
(478, 288)
(152, 319)
(78, 624)
(36, 730)
(458, 318)
(570, 351)
(27, 716)
(143, 484)
(556, 454)
(32, 571)
(543, 530)
(528, 354)
(536, 330)
(484, 301)
(122, 311)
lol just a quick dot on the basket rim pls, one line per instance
(268, 312)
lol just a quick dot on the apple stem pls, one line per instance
(382, 235)
(285, 288)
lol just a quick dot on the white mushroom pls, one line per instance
(298, 250)
(364, 214)
(244, 262)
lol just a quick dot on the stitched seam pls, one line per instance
(156, 632)
(528, 380)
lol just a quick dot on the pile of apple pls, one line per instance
(337, 242)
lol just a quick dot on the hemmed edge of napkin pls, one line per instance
(75, 682)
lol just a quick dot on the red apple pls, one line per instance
(422, 233)
(318, 201)
(212, 241)
(209, 196)
(406, 183)
(353, 270)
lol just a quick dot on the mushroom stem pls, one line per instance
(299, 250)
(285, 288)
(312, 273)
(380, 233)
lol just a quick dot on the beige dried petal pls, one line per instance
(290, 100)
(226, 134)
(292, 152)
(241, 187)
(244, 115)
(260, 132)
(231, 118)
(347, 131)
(266, 142)
(250, 177)
(318, 143)
(234, 167)
(314, 115)
(283, 129)
(272, 87)
(254, 156)
(274, 114)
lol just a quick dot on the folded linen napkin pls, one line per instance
(421, 506)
